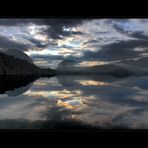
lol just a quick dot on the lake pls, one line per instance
(74, 102)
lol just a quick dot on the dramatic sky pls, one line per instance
(48, 41)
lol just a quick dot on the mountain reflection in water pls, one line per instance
(73, 102)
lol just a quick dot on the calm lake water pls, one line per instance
(74, 102)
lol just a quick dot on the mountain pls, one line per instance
(112, 69)
(18, 54)
(71, 67)
(11, 65)
(67, 66)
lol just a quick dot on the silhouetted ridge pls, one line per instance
(18, 54)
(12, 65)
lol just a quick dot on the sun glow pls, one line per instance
(93, 83)
(42, 52)
(91, 63)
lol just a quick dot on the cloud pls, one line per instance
(102, 106)
(38, 43)
(55, 26)
(10, 44)
(57, 29)
(136, 28)
(36, 34)
(83, 39)
(24, 108)
(108, 106)
(118, 51)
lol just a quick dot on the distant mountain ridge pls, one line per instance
(69, 67)
(138, 66)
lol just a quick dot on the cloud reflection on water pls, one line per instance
(99, 102)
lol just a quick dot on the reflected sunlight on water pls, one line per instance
(92, 83)
(72, 104)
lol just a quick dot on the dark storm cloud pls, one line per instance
(139, 35)
(38, 43)
(13, 22)
(110, 54)
(130, 44)
(90, 42)
(59, 33)
(77, 33)
(117, 51)
(134, 34)
(7, 43)
(111, 21)
(108, 31)
(62, 22)
(55, 29)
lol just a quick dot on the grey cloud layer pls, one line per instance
(91, 39)
(118, 51)
(9, 44)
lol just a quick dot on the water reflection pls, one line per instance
(14, 85)
(69, 102)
